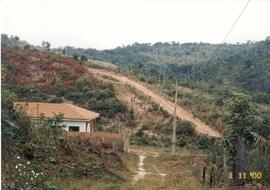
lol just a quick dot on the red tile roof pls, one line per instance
(71, 112)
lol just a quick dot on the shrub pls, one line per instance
(182, 141)
(184, 128)
(107, 107)
(204, 142)
(144, 140)
(56, 100)
(104, 94)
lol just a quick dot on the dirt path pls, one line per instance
(141, 172)
(201, 127)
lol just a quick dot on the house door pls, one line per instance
(74, 128)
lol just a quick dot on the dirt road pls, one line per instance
(167, 105)
(141, 172)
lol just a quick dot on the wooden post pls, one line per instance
(211, 177)
(203, 176)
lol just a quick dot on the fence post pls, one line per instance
(211, 177)
(203, 176)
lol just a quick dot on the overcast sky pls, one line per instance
(105, 24)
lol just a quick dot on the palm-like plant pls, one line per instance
(262, 144)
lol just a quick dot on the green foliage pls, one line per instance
(35, 153)
(182, 141)
(107, 107)
(45, 45)
(102, 100)
(262, 144)
(31, 93)
(14, 124)
(243, 122)
(240, 120)
(185, 128)
(13, 42)
(259, 163)
(55, 122)
(99, 127)
(204, 142)
(142, 139)
(241, 65)
(241, 116)
(56, 100)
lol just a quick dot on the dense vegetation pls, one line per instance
(210, 77)
(241, 65)
(243, 120)
(33, 157)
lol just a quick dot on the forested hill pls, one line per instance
(241, 67)
(244, 66)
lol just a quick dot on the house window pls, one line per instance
(74, 128)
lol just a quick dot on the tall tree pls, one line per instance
(240, 120)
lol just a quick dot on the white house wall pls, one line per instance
(80, 124)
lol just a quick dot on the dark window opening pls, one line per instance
(74, 128)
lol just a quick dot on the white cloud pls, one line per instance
(110, 23)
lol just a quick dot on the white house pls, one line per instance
(75, 118)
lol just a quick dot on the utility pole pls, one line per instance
(149, 75)
(174, 121)
(164, 76)
(159, 89)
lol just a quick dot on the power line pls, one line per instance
(230, 30)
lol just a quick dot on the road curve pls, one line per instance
(167, 105)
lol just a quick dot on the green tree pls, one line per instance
(15, 125)
(46, 45)
(240, 120)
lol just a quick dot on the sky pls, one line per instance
(106, 24)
